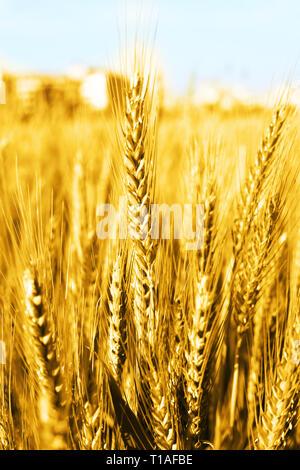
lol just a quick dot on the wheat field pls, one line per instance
(139, 343)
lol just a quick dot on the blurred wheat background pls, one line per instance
(140, 343)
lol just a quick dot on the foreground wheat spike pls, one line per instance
(163, 428)
(199, 330)
(45, 365)
(251, 270)
(282, 390)
(117, 323)
(267, 311)
(177, 400)
(139, 148)
(254, 380)
(252, 267)
(137, 151)
(257, 176)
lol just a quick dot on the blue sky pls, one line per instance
(252, 42)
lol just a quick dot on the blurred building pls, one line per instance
(97, 90)
(27, 92)
(93, 89)
(101, 89)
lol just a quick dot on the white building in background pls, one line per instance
(92, 85)
(94, 89)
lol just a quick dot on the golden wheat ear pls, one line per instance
(265, 159)
(278, 412)
(137, 139)
(278, 416)
(249, 263)
(45, 365)
(136, 115)
(117, 336)
(200, 325)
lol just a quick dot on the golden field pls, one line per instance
(139, 343)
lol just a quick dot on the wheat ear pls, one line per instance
(247, 208)
(199, 330)
(257, 176)
(138, 149)
(117, 335)
(161, 417)
(46, 363)
(251, 271)
(282, 391)
(265, 313)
